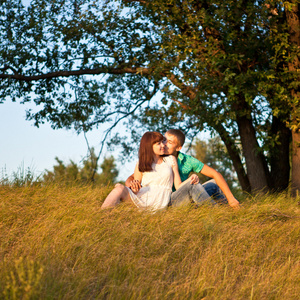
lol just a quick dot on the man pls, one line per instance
(216, 188)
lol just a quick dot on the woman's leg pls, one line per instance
(118, 194)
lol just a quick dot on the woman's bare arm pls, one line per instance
(177, 179)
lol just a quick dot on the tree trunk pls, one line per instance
(236, 160)
(296, 163)
(280, 156)
(293, 20)
(256, 167)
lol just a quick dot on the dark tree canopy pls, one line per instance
(228, 66)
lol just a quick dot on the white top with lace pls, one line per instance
(156, 187)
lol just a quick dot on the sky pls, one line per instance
(23, 146)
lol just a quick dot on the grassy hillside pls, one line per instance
(56, 243)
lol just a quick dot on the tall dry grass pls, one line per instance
(56, 243)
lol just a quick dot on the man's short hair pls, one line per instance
(178, 134)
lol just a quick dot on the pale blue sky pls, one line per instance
(22, 144)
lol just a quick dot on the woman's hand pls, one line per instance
(135, 185)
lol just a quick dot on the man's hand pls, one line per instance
(234, 203)
(135, 186)
(194, 179)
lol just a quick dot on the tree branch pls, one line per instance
(140, 1)
(104, 70)
(186, 90)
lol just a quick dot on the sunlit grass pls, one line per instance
(56, 243)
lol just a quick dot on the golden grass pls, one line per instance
(56, 243)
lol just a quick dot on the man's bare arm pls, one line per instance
(220, 181)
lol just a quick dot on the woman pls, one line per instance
(156, 174)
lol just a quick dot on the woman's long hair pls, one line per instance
(146, 154)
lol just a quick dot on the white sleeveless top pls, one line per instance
(156, 187)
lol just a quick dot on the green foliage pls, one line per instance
(189, 64)
(210, 51)
(72, 173)
(56, 243)
(22, 177)
(62, 173)
(67, 174)
(109, 171)
(4, 178)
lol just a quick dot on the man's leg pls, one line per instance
(199, 195)
(214, 191)
(190, 192)
(181, 196)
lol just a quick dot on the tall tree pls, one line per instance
(293, 21)
(217, 64)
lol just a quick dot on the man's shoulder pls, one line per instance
(188, 163)
(182, 156)
(190, 160)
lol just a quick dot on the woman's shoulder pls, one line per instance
(170, 160)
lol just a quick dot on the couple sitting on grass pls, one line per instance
(162, 167)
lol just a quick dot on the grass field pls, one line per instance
(56, 243)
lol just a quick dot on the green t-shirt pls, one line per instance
(188, 164)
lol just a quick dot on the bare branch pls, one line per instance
(122, 118)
